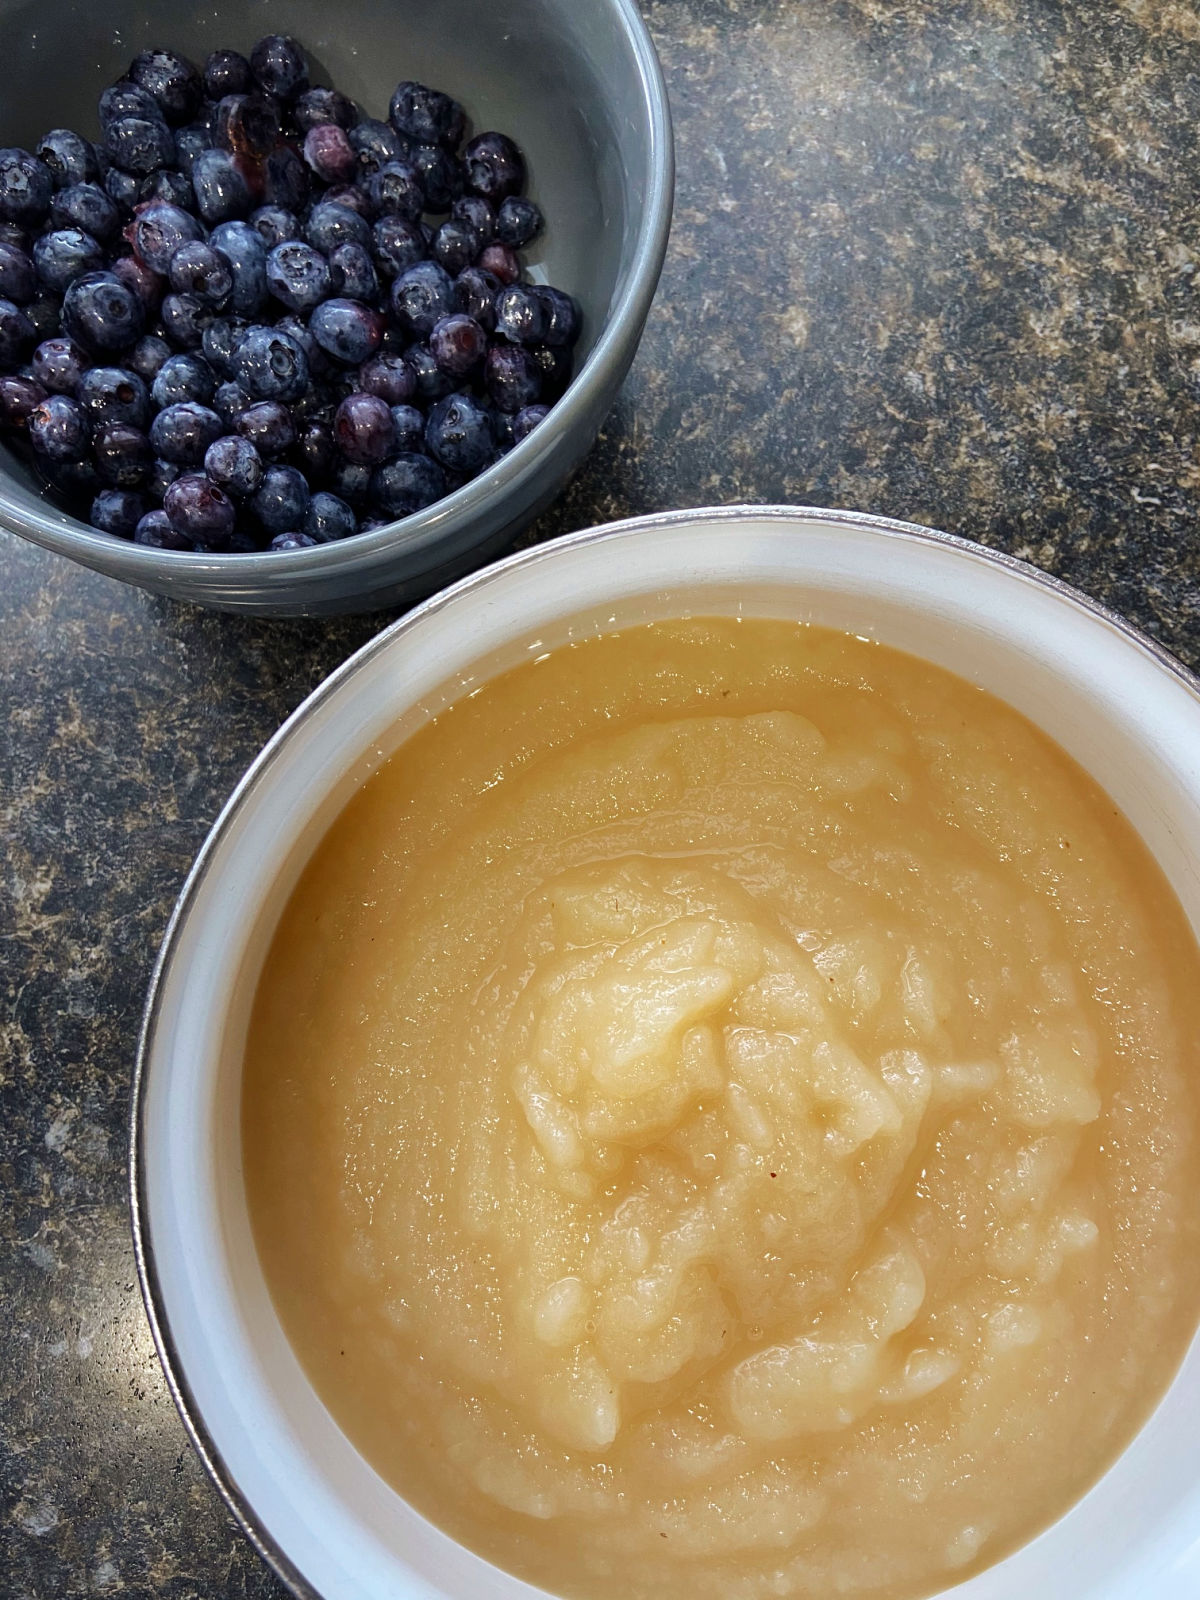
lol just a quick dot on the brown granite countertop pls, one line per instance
(932, 258)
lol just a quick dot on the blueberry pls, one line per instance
(230, 401)
(390, 377)
(246, 125)
(14, 234)
(272, 366)
(222, 192)
(501, 262)
(347, 330)
(353, 273)
(273, 225)
(521, 315)
(71, 159)
(227, 72)
(398, 245)
(526, 420)
(293, 540)
(59, 365)
(432, 383)
(375, 144)
(182, 378)
(185, 318)
(455, 245)
(314, 452)
(282, 502)
(329, 153)
(235, 466)
(518, 221)
(189, 142)
(395, 190)
(299, 330)
(494, 167)
(362, 429)
(171, 186)
(113, 394)
(146, 286)
(562, 316)
(124, 189)
(148, 357)
(553, 362)
(162, 476)
(117, 511)
(478, 214)
(155, 531)
(45, 313)
(139, 146)
(86, 206)
(331, 225)
(199, 510)
(122, 455)
(18, 397)
(420, 297)
(298, 276)
(18, 280)
(316, 106)
(286, 180)
(65, 255)
(126, 99)
(408, 429)
(504, 428)
(101, 313)
(328, 518)
(278, 64)
(220, 344)
(439, 176)
(198, 269)
(458, 344)
(459, 434)
(426, 116)
(172, 80)
(511, 378)
(26, 185)
(351, 482)
(159, 230)
(268, 426)
(407, 483)
(183, 432)
(475, 294)
(242, 247)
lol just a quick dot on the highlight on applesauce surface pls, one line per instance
(720, 1120)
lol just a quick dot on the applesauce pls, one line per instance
(720, 1120)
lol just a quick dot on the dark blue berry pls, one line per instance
(242, 247)
(268, 426)
(279, 67)
(395, 191)
(139, 146)
(122, 455)
(172, 80)
(518, 221)
(478, 215)
(221, 342)
(347, 330)
(102, 313)
(459, 434)
(329, 153)
(511, 378)
(362, 429)
(200, 511)
(18, 279)
(439, 176)
(230, 401)
(432, 382)
(222, 193)
(286, 180)
(375, 144)
(148, 357)
(562, 316)
(316, 106)
(227, 72)
(158, 232)
(162, 476)
(553, 363)
(398, 245)
(272, 366)
(390, 377)
(70, 158)
(117, 511)
(45, 312)
(293, 540)
(475, 294)
(353, 273)
(86, 206)
(18, 397)
(350, 482)
(146, 286)
(455, 246)
(420, 297)
(126, 100)
(408, 429)
(198, 269)
(182, 433)
(189, 143)
(273, 225)
(235, 466)
(527, 420)
(65, 255)
(328, 518)
(155, 530)
(171, 186)
(26, 185)
(298, 276)
(330, 225)
(59, 364)
(407, 483)
(494, 167)
(298, 330)
(182, 378)
(113, 394)
(282, 502)
(458, 344)
(124, 189)
(426, 116)
(185, 317)
(521, 315)
(246, 125)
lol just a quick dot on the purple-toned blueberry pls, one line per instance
(329, 153)
(501, 262)
(182, 433)
(511, 378)
(298, 276)
(189, 143)
(86, 206)
(155, 531)
(562, 316)
(70, 158)
(353, 273)
(521, 315)
(65, 255)
(162, 476)
(227, 72)
(390, 377)
(279, 67)
(328, 518)
(350, 195)
(285, 179)
(171, 186)
(395, 190)
(299, 330)
(230, 401)
(18, 397)
(458, 344)
(375, 144)
(222, 193)
(59, 364)
(268, 426)
(408, 429)
(330, 225)
(221, 342)
(526, 420)
(439, 176)
(317, 106)
(475, 294)
(426, 116)
(518, 221)
(200, 511)
(198, 269)
(235, 466)
(122, 455)
(159, 230)
(420, 297)
(272, 366)
(101, 313)
(455, 245)
(347, 330)
(171, 80)
(274, 224)
(459, 435)
(478, 215)
(432, 383)
(124, 100)
(398, 245)
(362, 429)
(293, 540)
(149, 356)
(145, 285)
(26, 185)
(350, 482)
(246, 125)
(504, 428)
(18, 278)
(113, 394)
(182, 378)
(185, 318)
(140, 146)
(242, 247)
(117, 511)
(405, 484)
(494, 167)
(282, 502)
(45, 312)
(124, 189)
(553, 362)
(314, 451)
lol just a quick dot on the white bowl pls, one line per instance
(311, 1504)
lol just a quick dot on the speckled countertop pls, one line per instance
(931, 258)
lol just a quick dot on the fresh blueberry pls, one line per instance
(521, 315)
(395, 191)
(350, 482)
(117, 511)
(162, 476)
(504, 428)
(458, 344)
(330, 225)
(479, 216)
(316, 106)
(45, 312)
(222, 193)
(18, 279)
(65, 255)
(353, 273)
(314, 451)
(173, 82)
(185, 318)
(182, 378)
(155, 531)
(86, 206)
(553, 362)
(148, 357)
(293, 540)
(70, 158)
(242, 247)
(511, 378)
(408, 429)
(126, 99)
(172, 186)
(347, 330)
(279, 67)
(282, 502)
(273, 225)
(198, 269)
(145, 285)
(124, 189)
(362, 429)
(298, 276)
(518, 221)
(268, 426)
(407, 483)
(99, 311)
(113, 394)
(14, 234)
(58, 365)
(329, 153)
(420, 297)
(230, 401)
(426, 116)
(246, 125)
(494, 167)
(272, 366)
(398, 245)
(26, 185)
(158, 232)
(200, 511)
(139, 146)
(375, 144)
(328, 518)
(235, 466)
(526, 420)
(439, 176)
(122, 455)
(182, 433)
(297, 329)
(455, 245)
(221, 342)
(286, 180)
(189, 143)
(227, 72)
(475, 294)
(501, 262)
(18, 398)
(562, 316)
(432, 383)
(388, 376)
(459, 434)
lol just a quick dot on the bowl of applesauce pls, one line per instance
(676, 1076)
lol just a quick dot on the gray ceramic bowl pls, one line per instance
(575, 82)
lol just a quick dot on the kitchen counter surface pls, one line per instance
(934, 259)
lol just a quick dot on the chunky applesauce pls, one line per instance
(721, 1117)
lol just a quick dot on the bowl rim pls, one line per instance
(418, 532)
(887, 527)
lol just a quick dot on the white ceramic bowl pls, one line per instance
(313, 1507)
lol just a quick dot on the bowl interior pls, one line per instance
(1130, 718)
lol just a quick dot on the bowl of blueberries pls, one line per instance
(314, 320)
